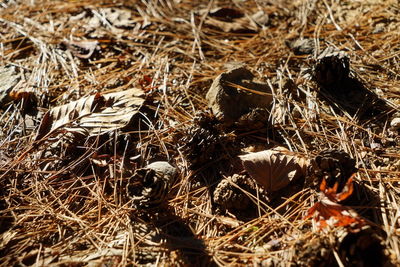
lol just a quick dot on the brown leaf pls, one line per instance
(9, 79)
(274, 169)
(330, 213)
(237, 92)
(26, 98)
(225, 13)
(233, 20)
(93, 115)
(238, 25)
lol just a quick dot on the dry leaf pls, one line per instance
(301, 46)
(93, 115)
(233, 20)
(81, 49)
(8, 80)
(118, 17)
(335, 215)
(330, 213)
(14, 87)
(242, 24)
(237, 92)
(274, 169)
(226, 13)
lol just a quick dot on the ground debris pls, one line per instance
(275, 168)
(235, 93)
(301, 46)
(332, 67)
(8, 79)
(93, 115)
(151, 185)
(81, 49)
(310, 76)
(363, 248)
(234, 20)
(335, 166)
(314, 251)
(342, 88)
(204, 141)
(229, 194)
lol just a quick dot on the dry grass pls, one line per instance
(61, 208)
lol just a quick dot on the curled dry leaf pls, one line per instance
(275, 168)
(330, 213)
(13, 87)
(237, 92)
(301, 46)
(395, 122)
(81, 49)
(234, 20)
(93, 115)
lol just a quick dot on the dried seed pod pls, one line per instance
(274, 169)
(332, 68)
(333, 166)
(229, 196)
(149, 186)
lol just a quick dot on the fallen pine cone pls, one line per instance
(229, 196)
(149, 186)
(332, 68)
(203, 141)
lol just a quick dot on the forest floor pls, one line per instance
(92, 92)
